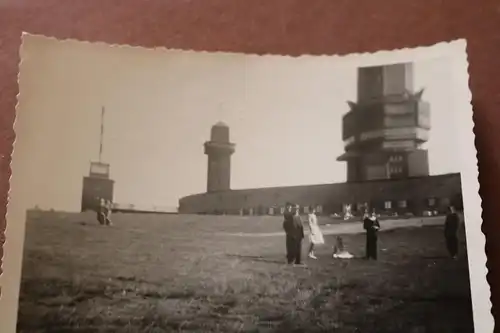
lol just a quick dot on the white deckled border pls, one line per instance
(455, 51)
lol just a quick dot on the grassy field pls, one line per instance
(179, 274)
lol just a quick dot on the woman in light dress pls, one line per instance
(315, 234)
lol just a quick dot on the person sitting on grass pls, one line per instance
(339, 250)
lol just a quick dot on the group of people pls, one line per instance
(104, 212)
(295, 234)
(294, 231)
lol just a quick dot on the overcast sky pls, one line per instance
(284, 116)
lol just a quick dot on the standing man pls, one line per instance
(371, 225)
(287, 226)
(294, 235)
(451, 225)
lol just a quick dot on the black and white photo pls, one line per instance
(181, 191)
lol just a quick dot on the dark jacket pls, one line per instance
(451, 224)
(371, 226)
(287, 221)
(293, 226)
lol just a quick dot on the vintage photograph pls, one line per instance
(181, 191)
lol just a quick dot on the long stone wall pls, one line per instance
(412, 195)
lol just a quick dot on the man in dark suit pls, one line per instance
(294, 234)
(287, 223)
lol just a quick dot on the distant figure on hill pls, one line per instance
(315, 234)
(101, 212)
(104, 212)
(451, 226)
(339, 250)
(294, 234)
(372, 226)
(109, 210)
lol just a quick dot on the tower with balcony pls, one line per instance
(219, 151)
(385, 128)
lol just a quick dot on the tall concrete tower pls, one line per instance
(219, 150)
(385, 129)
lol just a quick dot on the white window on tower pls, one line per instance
(388, 205)
(402, 204)
(306, 209)
(282, 210)
(319, 209)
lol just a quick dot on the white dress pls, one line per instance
(315, 234)
(343, 255)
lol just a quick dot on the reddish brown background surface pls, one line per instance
(283, 27)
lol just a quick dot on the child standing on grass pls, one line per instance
(372, 226)
(315, 234)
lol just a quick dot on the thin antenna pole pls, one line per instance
(102, 134)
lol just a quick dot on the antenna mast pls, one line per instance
(102, 135)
